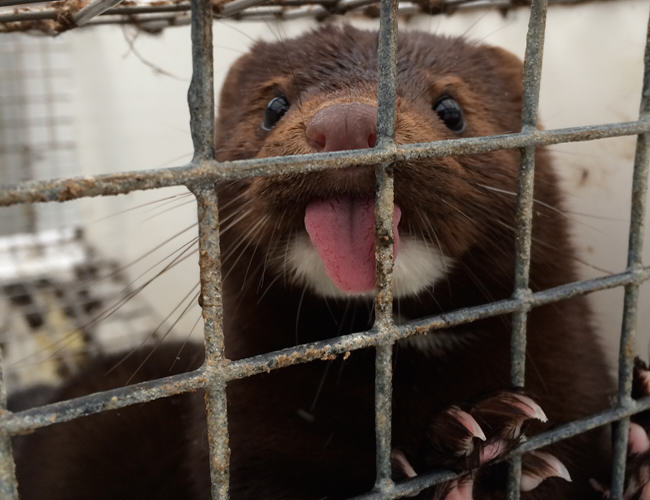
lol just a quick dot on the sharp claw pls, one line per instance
(505, 402)
(467, 421)
(453, 431)
(538, 466)
(638, 441)
(529, 407)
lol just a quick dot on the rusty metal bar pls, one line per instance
(63, 411)
(253, 10)
(212, 306)
(43, 416)
(212, 171)
(201, 103)
(8, 483)
(630, 303)
(200, 95)
(384, 238)
(524, 214)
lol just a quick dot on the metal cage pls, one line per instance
(203, 171)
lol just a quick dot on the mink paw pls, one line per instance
(637, 470)
(461, 439)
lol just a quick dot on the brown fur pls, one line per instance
(275, 452)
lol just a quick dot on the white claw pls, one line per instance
(531, 408)
(468, 422)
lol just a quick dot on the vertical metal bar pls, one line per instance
(201, 102)
(212, 306)
(383, 414)
(200, 95)
(384, 210)
(634, 263)
(8, 483)
(387, 71)
(524, 215)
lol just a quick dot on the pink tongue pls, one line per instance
(343, 232)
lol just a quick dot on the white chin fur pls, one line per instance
(417, 267)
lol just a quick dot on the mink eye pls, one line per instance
(449, 112)
(275, 109)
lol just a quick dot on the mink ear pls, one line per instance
(509, 67)
(230, 93)
(511, 70)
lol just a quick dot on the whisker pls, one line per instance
(141, 205)
(302, 296)
(155, 348)
(185, 342)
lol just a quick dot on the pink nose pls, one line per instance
(343, 126)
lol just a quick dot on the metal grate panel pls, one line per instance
(200, 175)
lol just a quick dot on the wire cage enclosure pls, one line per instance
(203, 171)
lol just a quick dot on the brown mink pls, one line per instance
(298, 262)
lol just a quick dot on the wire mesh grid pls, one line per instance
(203, 171)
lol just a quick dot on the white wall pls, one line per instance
(131, 116)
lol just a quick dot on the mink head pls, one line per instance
(318, 93)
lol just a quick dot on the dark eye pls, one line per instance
(276, 107)
(449, 112)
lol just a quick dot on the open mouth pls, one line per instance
(342, 231)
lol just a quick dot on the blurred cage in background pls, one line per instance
(55, 289)
(200, 174)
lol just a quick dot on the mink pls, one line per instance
(298, 261)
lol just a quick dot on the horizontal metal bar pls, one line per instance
(63, 411)
(144, 9)
(11, 3)
(210, 171)
(249, 8)
(359, 340)
(246, 9)
(153, 23)
(14, 423)
(576, 427)
(27, 16)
